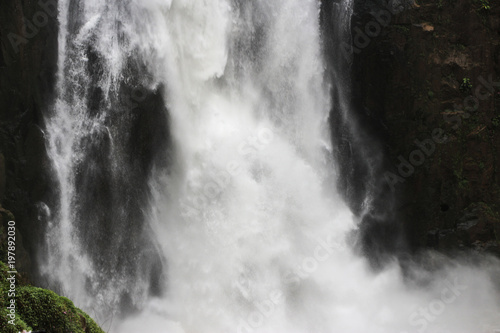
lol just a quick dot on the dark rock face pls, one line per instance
(28, 61)
(360, 137)
(431, 76)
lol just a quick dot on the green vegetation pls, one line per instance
(466, 85)
(40, 309)
(484, 5)
(483, 11)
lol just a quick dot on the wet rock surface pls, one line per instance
(436, 66)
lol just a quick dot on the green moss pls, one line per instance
(5, 327)
(18, 326)
(44, 309)
(41, 309)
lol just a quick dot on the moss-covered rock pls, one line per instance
(41, 309)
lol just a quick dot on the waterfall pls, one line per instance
(196, 178)
(98, 249)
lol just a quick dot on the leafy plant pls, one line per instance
(466, 85)
(484, 5)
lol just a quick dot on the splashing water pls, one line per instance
(249, 230)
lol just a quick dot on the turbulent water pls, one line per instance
(220, 214)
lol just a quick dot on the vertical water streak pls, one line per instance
(357, 141)
(107, 131)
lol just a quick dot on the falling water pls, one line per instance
(233, 224)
